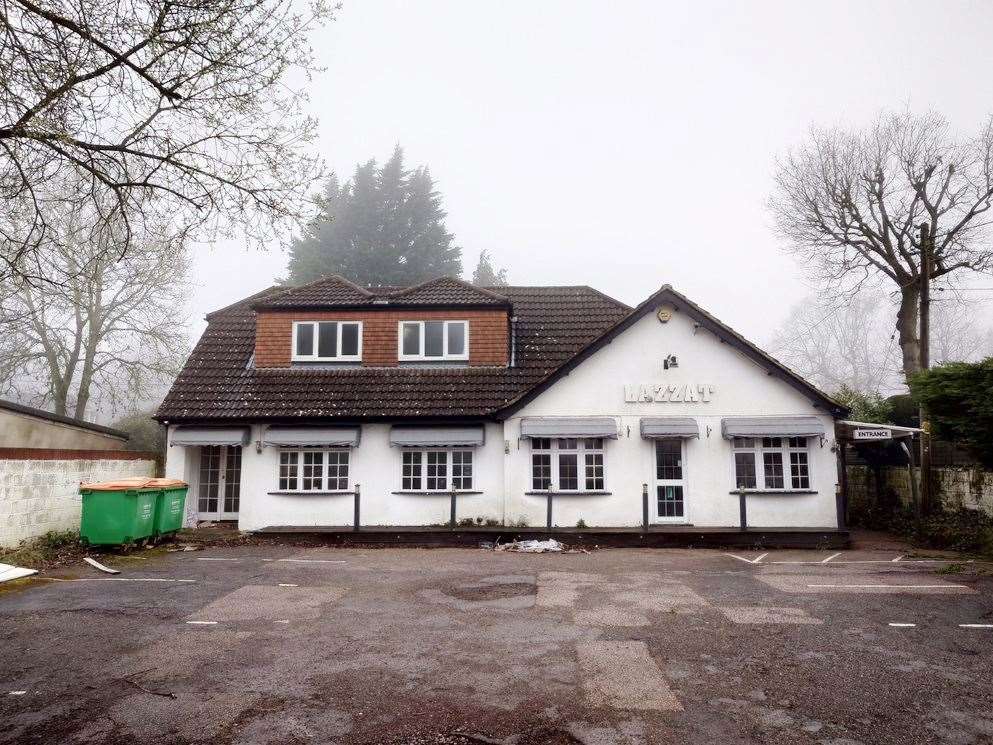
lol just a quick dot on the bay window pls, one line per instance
(771, 463)
(436, 470)
(327, 341)
(433, 340)
(313, 470)
(567, 464)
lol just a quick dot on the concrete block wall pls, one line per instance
(37, 496)
(958, 488)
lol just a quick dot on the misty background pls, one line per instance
(621, 146)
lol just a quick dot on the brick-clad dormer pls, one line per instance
(381, 313)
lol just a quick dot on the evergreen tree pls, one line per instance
(486, 275)
(384, 227)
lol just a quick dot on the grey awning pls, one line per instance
(669, 426)
(568, 426)
(200, 436)
(772, 426)
(441, 436)
(311, 437)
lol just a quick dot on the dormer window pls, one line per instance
(327, 341)
(433, 340)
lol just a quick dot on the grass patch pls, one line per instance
(951, 569)
(55, 547)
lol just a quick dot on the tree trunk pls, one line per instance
(908, 329)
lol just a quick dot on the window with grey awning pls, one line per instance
(574, 426)
(309, 437)
(201, 436)
(772, 426)
(655, 427)
(430, 437)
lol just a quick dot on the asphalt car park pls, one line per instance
(275, 644)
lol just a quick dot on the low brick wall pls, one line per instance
(42, 493)
(965, 488)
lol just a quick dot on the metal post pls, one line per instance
(358, 496)
(644, 506)
(453, 510)
(927, 248)
(842, 496)
(742, 511)
(549, 520)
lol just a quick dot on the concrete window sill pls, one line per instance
(746, 492)
(435, 493)
(592, 493)
(308, 493)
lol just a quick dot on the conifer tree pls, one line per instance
(486, 275)
(385, 226)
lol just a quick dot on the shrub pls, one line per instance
(958, 398)
(581, 524)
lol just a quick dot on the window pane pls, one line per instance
(772, 442)
(773, 463)
(288, 471)
(541, 471)
(436, 470)
(744, 470)
(313, 472)
(411, 475)
(568, 444)
(327, 339)
(668, 460)
(568, 471)
(594, 471)
(338, 469)
(349, 339)
(462, 469)
(541, 443)
(412, 338)
(210, 478)
(743, 442)
(232, 480)
(305, 339)
(434, 338)
(799, 470)
(670, 500)
(456, 338)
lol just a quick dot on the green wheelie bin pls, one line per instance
(127, 510)
(170, 507)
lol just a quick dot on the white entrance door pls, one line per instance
(670, 504)
(219, 484)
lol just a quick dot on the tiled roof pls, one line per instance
(335, 291)
(219, 381)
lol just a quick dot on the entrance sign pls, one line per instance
(688, 393)
(874, 433)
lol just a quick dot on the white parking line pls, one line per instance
(120, 579)
(747, 561)
(904, 625)
(17, 693)
(213, 558)
(287, 584)
(311, 561)
(202, 623)
(976, 625)
(832, 556)
(914, 587)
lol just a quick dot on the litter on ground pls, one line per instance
(97, 565)
(531, 547)
(9, 572)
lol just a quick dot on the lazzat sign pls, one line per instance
(688, 393)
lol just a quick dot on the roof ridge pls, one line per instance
(237, 303)
(458, 280)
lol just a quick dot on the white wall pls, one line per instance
(741, 388)
(37, 496)
(596, 387)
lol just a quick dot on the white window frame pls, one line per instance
(339, 357)
(300, 453)
(756, 448)
(423, 470)
(559, 446)
(420, 356)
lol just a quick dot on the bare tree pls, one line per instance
(850, 204)
(103, 329)
(152, 112)
(851, 342)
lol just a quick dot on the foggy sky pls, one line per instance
(621, 145)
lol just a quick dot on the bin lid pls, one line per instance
(138, 482)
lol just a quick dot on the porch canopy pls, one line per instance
(466, 436)
(569, 426)
(347, 437)
(201, 436)
(772, 426)
(655, 427)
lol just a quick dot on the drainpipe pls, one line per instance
(513, 341)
